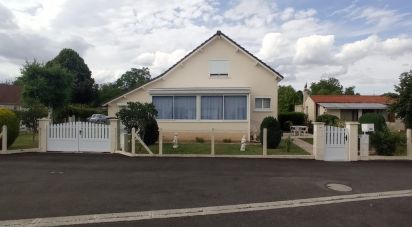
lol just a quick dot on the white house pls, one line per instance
(218, 85)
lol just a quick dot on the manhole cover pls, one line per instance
(339, 187)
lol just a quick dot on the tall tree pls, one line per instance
(288, 98)
(349, 90)
(133, 78)
(330, 86)
(51, 86)
(403, 105)
(84, 87)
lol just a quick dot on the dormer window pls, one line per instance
(219, 68)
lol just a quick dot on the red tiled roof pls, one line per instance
(10, 94)
(351, 99)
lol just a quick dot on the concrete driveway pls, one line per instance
(60, 185)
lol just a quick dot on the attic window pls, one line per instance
(218, 68)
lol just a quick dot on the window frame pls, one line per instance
(270, 109)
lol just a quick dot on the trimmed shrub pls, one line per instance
(9, 118)
(373, 118)
(274, 133)
(384, 142)
(291, 118)
(200, 140)
(329, 119)
(150, 134)
(227, 140)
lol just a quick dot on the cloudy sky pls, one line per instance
(362, 43)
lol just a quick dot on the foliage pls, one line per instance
(288, 143)
(291, 118)
(9, 118)
(51, 86)
(328, 119)
(142, 117)
(331, 86)
(288, 98)
(31, 114)
(374, 118)
(384, 142)
(403, 105)
(150, 132)
(128, 81)
(84, 89)
(227, 140)
(274, 134)
(133, 78)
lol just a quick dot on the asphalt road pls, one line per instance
(54, 185)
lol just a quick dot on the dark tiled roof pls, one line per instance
(10, 94)
(218, 33)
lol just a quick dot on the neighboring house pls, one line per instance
(218, 85)
(349, 107)
(10, 96)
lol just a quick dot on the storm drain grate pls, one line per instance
(338, 187)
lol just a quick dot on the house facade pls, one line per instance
(350, 107)
(10, 96)
(218, 85)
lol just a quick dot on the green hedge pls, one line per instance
(151, 132)
(273, 129)
(82, 112)
(291, 118)
(374, 118)
(9, 118)
(328, 119)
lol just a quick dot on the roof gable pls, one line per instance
(218, 34)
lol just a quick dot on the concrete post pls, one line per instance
(160, 141)
(364, 146)
(43, 128)
(265, 142)
(212, 142)
(319, 140)
(409, 142)
(133, 141)
(4, 138)
(113, 135)
(352, 143)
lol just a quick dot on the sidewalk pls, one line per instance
(304, 145)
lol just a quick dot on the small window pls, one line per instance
(262, 104)
(219, 67)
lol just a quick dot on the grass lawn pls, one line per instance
(24, 141)
(307, 140)
(222, 149)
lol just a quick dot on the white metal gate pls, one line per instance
(78, 136)
(336, 144)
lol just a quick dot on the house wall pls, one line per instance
(194, 73)
(310, 109)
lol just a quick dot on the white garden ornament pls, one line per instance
(243, 143)
(175, 141)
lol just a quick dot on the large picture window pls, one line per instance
(164, 106)
(184, 107)
(212, 108)
(235, 107)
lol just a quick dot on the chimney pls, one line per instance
(305, 93)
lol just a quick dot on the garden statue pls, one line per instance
(243, 143)
(175, 145)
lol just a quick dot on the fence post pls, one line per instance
(265, 141)
(43, 128)
(113, 135)
(352, 129)
(212, 142)
(409, 142)
(4, 138)
(160, 141)
(319, 140)
(133, 140)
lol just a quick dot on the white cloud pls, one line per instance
(314, 49)
(159, 61)
(274, 45)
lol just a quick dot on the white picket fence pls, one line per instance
(78, 136)
(336, 144)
